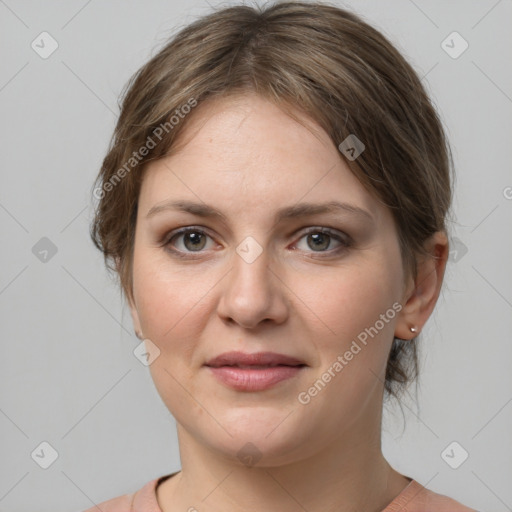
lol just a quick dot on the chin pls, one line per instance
(259, 438)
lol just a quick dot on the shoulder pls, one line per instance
(120, 504)
(144, 500)
(420, 499)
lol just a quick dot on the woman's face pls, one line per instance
(243, 280)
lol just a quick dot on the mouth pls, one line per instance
(254, 372)
(255, 366)
(259, 360)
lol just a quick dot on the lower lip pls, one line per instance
(244, 379)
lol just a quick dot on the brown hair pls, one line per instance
(314, 58)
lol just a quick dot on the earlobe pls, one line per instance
(419, 302)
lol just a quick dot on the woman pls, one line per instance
(274, 201)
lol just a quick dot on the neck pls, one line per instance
(349, 475)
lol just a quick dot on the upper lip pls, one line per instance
(235, 358)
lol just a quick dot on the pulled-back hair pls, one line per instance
(312, 58)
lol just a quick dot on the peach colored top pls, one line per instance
(414, 498)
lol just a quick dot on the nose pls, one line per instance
(254, 292)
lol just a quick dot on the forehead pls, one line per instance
(247, 153)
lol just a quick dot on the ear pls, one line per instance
(422, 293)
(131, 304)
(135, 319)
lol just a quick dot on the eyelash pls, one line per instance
(345, 242)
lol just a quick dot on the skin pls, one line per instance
(247, 158)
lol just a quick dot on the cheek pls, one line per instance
(170, 305)
(345, 302)
(352, 323)
(167, 296)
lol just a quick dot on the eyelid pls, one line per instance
(328, 231)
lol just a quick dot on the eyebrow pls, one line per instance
(289, 212)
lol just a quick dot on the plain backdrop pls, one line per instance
(74, 397)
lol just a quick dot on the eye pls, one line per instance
(193, 240)
(320, 239)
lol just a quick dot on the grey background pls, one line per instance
(68, 373)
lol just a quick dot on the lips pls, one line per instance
(259, 360)
(254, 372)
